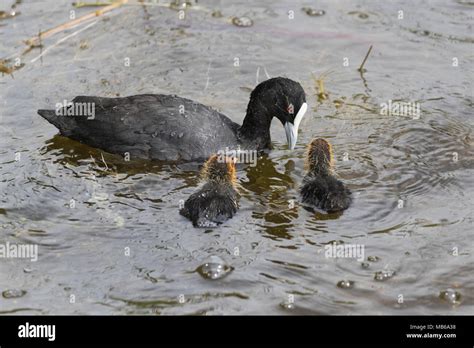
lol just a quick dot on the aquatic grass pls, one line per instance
(361, 67)
(321, 93)
(81, 4)
(7, 69)
(73, 23)
(36, 41)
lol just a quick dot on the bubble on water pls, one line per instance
(13, 293)
(214, 268)
(451, 296)
(365, 265)
(287, 305)
(373, 258)
(180, 5)
(335, 242)
(345, 284)
(384, 275)
(242, 21)
(217, 14)
(312, 12)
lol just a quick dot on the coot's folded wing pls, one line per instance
(148, 126)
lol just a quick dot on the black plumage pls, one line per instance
(168, 127)
(217, 200)
(320, 188)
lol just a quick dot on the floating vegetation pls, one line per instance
(242, 22)
(338, 103)
(9, 69)
(312, 12)
(32, 44)
(80, 4)
(373, 258)
(363, 107)
(4, 69)
(43, 35)
(320, 91)
(83, 45)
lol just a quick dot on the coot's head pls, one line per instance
(219, 169)
(319, 156)
(277, 97)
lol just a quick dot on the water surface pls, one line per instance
(124, 249)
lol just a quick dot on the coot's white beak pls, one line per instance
(291, 129)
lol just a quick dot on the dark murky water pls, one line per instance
(124, 249)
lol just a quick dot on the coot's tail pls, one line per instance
(64, 124)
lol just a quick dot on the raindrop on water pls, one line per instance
(384, 275)
(242, 21)
(345, 284)
(451, 296)
(287, 305)
(365, 265)
(313, 13)
(215, 268)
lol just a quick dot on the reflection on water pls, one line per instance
(109, 232)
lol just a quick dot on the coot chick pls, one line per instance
(171, 128)
(320, 187)
(216, 201)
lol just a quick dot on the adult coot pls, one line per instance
(168, 127)
(216, 201)
(320, 187)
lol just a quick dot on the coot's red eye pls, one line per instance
(290, 109)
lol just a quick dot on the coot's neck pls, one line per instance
(255, 130)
